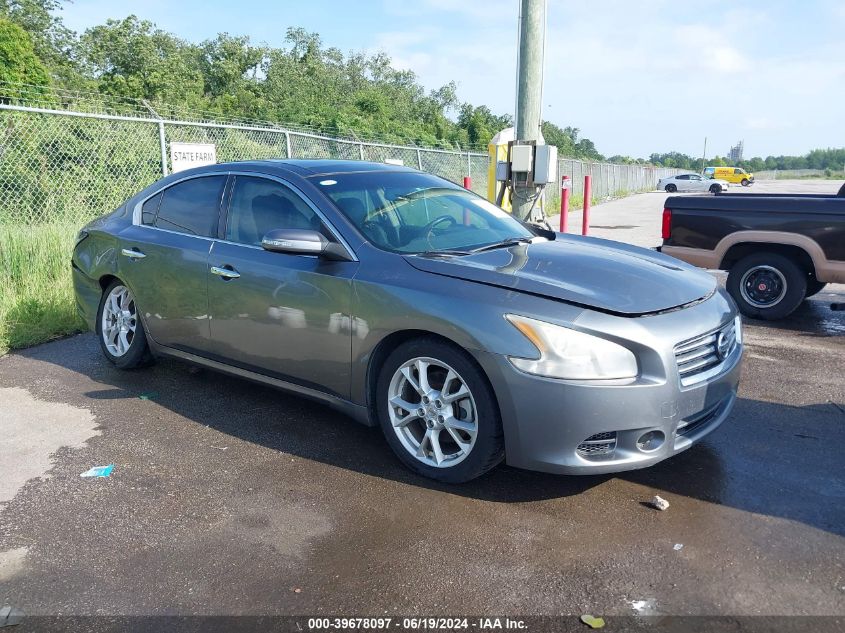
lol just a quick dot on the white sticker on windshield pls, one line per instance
(328, 182)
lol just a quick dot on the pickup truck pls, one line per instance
(778, 248)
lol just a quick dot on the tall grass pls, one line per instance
(36, 291)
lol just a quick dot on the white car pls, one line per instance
(692, 182)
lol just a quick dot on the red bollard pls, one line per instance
(467, 185)
(564, 204)
(588, 191)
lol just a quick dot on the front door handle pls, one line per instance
(227, 272)
(132, 253)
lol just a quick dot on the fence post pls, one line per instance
(287, 145)
(588, 192)
(419, 159)
(163, 145)
(564, 204)
(361, 151)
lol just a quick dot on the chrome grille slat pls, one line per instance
(696, 342)
(699, 354)
(695, 354)
(710, 359)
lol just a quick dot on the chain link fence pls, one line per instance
(68, 166)
(610, 180)
(786, 174)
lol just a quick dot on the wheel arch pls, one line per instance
(738, 251)
(393, 340)
(106, 280)
(734, 246)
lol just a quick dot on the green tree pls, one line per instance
(131, 58)
(18, 61)
(52, 40)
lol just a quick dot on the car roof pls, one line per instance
(310, 167)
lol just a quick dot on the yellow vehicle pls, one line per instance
(736, 175)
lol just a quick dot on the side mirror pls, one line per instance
(303, 242)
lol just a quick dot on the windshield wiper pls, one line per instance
(511, 241)
(447, 252)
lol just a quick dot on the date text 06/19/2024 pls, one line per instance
(416, 624)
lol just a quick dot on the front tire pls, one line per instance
(767, 285)
(438, 412)
(745, 182)
(716, 188)
(670, 188)
(120, 330)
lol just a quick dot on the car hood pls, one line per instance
(601, 274)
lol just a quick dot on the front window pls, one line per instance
(260, 205)
(408, 212)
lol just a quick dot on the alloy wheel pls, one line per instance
(433, 412)
(119, 321)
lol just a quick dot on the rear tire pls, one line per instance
(767, 285)
(466, 427)
(120, 330)
(670, 188)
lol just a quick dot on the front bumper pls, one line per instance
(547, 420)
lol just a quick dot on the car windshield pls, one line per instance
(414, 213)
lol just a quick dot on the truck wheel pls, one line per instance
(745, 182)
(767, 285)
(670, 188)
(814, 286)
(716, 188)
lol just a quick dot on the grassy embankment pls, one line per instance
(36, 293)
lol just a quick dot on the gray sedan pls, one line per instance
(407, 302)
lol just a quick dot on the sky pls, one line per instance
(636, 77)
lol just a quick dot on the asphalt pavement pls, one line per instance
(228, 497)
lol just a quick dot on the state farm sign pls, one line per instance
(186, 155)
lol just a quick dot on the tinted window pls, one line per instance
(737, 171)
(682, 177)
(260, 205)
(192, 206)
(149, 209)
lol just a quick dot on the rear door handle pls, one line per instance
(226, 272)
(132, 253)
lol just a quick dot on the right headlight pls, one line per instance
(570, 354)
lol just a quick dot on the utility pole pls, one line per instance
(529, 88)
(704, 155)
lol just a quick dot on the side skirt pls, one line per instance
(357, 412)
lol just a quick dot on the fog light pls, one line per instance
(651, 441)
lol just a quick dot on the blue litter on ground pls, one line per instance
(98, 471)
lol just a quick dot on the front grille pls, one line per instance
(598, 445)
(701, 354)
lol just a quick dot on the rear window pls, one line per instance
(192, 206)
(150, 209)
